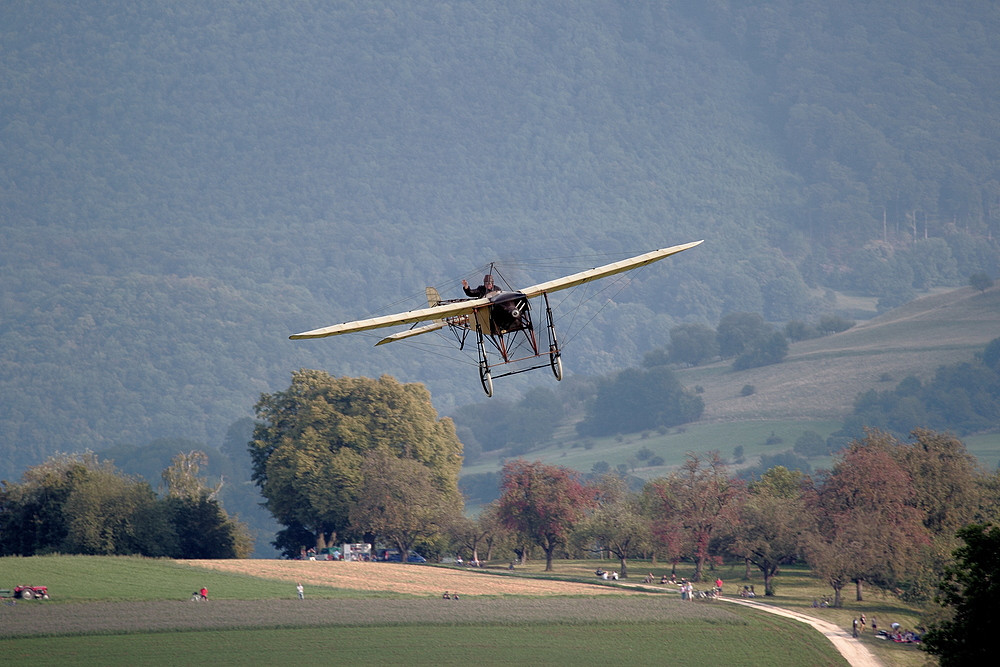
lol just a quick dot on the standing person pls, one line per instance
(855, 633)
(203, 593)
(302, 591)
(718, 584)
(863, 623)
(874, 626)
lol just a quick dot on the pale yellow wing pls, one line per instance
(410, 317)
(606, 270)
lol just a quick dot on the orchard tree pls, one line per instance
(771, 523)
(543, 503)
(702, 500)
(398, 501)
(617, 523)
(311, 440)
(867, 526)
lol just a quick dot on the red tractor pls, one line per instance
(31, 592)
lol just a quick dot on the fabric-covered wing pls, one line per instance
(606, 270)
(409, 317)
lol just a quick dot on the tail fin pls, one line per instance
(433, 298)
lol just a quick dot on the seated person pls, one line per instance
(664, 580)
(599, 572)
(454, 596)
(446, 596)
(486, 288)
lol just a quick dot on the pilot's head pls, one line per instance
(488, 280)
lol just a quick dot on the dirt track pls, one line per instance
(399, 578)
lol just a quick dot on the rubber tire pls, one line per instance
(27, 594)
(555, 360)
(487, 380)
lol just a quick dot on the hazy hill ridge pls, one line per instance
(183, 185)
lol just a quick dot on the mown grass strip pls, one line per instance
(767, 642)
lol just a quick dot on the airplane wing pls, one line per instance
(606, 270)
(410, 317)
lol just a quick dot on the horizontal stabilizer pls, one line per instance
(410, 333)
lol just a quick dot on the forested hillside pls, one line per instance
(184, 185)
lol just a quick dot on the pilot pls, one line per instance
(486, 288)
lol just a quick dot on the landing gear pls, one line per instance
(486, 378)
(555, 360)
(555, 356)
(484, 365)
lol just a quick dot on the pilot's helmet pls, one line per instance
(487, 278)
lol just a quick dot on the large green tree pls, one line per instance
(311, 440)
(970, 590)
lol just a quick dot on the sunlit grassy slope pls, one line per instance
(813, 389)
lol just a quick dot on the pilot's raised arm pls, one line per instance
(486, 288)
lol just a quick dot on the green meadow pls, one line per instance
(252, 621)
(130, 579)
(765, 641)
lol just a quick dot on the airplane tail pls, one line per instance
(433, 298)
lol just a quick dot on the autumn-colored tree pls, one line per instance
(771, 523)
(867, 527)
(617, 523)
(542, 502)
(398, 501)
(311, 441)
(702, 500)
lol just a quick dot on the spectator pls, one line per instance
(302, 591)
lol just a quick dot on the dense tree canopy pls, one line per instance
(76, 504)
(310, 445)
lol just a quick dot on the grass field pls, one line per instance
(759, 640)
(674, 445)
(608, 622)
(796, 589)
(119, 579)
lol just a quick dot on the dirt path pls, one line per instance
(853, 650)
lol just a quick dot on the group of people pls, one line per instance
(748, 592)
(604, 574)
(471, 563)
(449, 596)
(201, 594)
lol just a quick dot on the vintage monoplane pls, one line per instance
(501, 320)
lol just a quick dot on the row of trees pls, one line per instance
(886, 514)
(77, 504)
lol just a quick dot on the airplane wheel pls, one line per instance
(486, 379)
(555, 360)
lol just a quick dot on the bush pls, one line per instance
(980, 281)
(655, 461)
(763, 351)
(747, 390)
(809, 444)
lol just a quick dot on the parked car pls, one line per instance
(392, 556)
